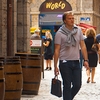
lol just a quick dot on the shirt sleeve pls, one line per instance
(57, 38)
(81, 34)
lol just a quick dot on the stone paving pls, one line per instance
(88, 91)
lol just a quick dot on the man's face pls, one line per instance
(38, 33)
(69, 20)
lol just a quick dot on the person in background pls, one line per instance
(98, 39)
(48, 55)
(67, 41)
(92, 55)
(36, 34)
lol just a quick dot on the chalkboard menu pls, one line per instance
(36, 50)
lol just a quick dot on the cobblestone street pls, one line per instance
(88, 91)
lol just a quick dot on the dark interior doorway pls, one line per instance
(50, 22)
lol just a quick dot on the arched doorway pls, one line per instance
(50, 17)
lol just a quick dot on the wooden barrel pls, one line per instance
(13, 78)
(2, 82)
(31, 68)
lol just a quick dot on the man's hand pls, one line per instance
(86, 65)
(56, 71)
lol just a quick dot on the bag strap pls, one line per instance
(56, 77)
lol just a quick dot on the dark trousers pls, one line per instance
(81, 59)
(71, 76)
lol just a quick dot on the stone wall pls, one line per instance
(96, 15)
(86, 9)
(34, 12)
(3, 27)
(73, 3)
(23, 26)
(24, 12)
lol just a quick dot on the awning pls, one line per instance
(86, 26)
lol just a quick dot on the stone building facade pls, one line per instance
(14, 32)
(25, 14)
(86, 11)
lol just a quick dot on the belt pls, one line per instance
(69, 60)
(89, 52)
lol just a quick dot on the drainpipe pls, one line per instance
(9, 28)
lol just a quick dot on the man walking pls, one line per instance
(67, 41)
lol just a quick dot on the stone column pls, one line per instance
(14, 26)
(3, 27)
(23, 26)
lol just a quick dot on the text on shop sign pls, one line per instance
(55, 5)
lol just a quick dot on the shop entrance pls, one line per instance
(52, 28)
(50, 22)
(50, 17)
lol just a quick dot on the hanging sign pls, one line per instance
(35, 43)
(55, 6)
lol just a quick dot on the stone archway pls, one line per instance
(50, 17)
(55, 6)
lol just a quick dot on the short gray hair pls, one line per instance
(67, 13)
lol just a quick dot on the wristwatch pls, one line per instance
(86, 60)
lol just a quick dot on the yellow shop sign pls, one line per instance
(55, 5)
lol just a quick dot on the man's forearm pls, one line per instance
(84, 53)
(55, 59)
